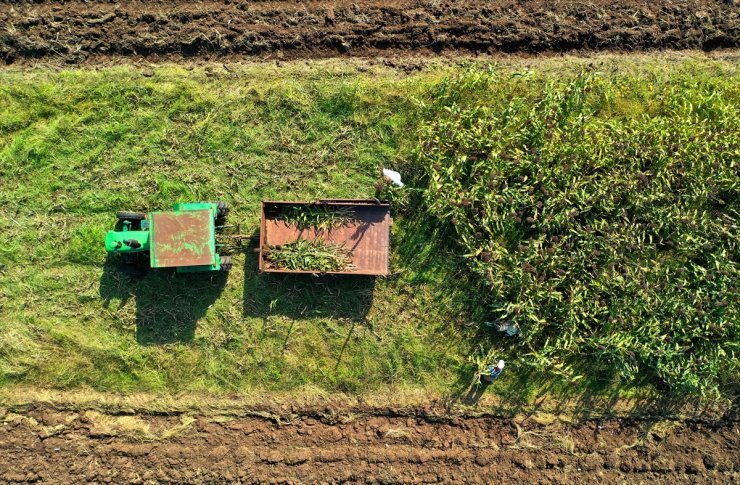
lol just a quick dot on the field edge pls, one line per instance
(393, 403)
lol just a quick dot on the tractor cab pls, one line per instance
(183, 238)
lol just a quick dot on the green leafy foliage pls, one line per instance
(317, 217)
(607, 234)
(78, 145)
(314, 255)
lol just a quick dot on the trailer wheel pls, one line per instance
(221, 212)
(226, 263)
(131, 216)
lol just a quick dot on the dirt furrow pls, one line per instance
(88, 31)
(61, 446)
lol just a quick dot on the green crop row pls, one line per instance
(600, 214)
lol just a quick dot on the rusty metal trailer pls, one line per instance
(367, 236)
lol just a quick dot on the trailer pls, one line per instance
(356, 229)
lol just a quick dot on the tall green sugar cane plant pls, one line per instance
(602, 215)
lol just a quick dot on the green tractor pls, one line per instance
(183, 238)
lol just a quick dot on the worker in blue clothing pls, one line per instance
(493, 371)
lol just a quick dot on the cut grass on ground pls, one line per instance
(78, 145)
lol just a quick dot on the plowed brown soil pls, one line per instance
(77, 31)
(47, 445)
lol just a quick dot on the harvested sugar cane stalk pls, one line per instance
(305, 255)
(317, 217)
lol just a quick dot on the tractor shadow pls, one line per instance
(168, 304)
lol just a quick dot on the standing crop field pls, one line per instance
(602, 215)
(594, 207)
(587, 206)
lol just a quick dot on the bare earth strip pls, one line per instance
(51, 445)
(90, 31)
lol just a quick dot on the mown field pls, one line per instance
(77, 145)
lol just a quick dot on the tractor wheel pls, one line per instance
(134, 264)
(131, 216)
(221, 212)
(226, 263)
(132, 270)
